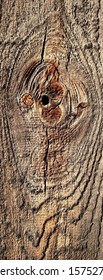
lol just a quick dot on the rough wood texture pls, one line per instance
(51, 139)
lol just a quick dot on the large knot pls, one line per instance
(55, 98)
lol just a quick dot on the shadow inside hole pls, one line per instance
(45, 100)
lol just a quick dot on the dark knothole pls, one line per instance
(45, 99)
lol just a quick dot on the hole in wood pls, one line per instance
(45, 100)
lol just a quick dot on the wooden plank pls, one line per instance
(52, 136)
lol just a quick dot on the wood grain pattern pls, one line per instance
(51, 130)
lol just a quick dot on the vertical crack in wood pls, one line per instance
(43, 47)
(46, 161)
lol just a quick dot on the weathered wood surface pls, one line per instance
(52, 188)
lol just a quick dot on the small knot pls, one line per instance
(27, 99)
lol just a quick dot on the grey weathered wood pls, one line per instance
(52, 165)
